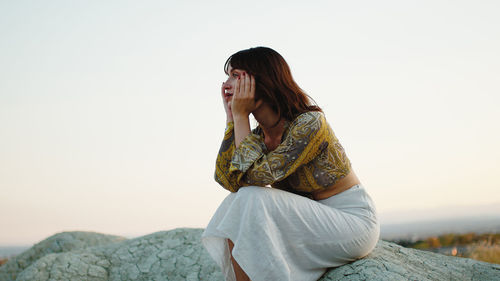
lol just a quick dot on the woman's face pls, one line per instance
(230, 83)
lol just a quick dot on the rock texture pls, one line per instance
(168, 255)
(391, 262)
(179, 255)
(59, 243)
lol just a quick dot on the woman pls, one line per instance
(296, 206)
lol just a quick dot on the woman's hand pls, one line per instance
(227, 105)
(243, 102)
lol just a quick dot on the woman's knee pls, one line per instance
(253, 192)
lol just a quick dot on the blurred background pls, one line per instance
(111, 116)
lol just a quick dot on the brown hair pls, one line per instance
(273, 81)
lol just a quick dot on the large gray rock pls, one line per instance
(391, 262)
(168, 255)
(179, 255)
(59, 243)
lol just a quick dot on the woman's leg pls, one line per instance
(240, 274)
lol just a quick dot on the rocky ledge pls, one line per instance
(179, 255)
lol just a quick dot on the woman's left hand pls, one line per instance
(243, 102)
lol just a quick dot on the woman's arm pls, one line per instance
(249, 164)
(223, 161)
(238, 127)
(307, 137)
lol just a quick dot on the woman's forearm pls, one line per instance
(241, 128)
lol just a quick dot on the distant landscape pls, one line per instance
(483, 247)
(469, 237)
(10, 251)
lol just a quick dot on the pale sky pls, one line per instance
(111, 116)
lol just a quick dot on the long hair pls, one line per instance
(273, 81)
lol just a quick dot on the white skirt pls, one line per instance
(279, 235)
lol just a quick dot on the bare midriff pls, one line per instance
(342, 185)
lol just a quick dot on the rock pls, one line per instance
(59, 243)
(391, 262)
(179, 255)
(168, 255)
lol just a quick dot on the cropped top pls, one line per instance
(308, 159)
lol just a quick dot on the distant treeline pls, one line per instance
(451, 239)
(482, 247)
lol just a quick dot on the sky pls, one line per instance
(111, 116)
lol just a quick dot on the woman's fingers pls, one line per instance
(236, 92)
(252, 86)
(243, 101)
(222, 91)
(247, 86)
(243, 86)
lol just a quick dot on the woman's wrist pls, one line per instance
(240, 116)
(241, 121)
(241, 128)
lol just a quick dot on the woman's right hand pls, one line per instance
(227, 105)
